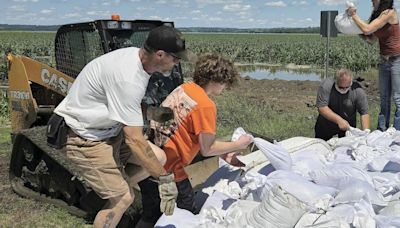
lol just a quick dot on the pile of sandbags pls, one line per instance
(302, 182)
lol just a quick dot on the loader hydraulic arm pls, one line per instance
(34, 89)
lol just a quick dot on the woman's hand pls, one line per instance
(351, 11)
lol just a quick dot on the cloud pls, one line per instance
(299, 3)
(236, 7)
(18, 8)
(333, 2)
(276, 4)
(46, 11)
(69, 15)
(195, 12)
(208, 2)
(215, 19)
(25, 0)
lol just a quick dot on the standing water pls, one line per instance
(271, 73)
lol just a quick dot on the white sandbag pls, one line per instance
(387, 222)
(387, 163)
(316, 220)
(352, 190)
(340, 216)
(278, 209)
(344, 212)
(306, 161)
(296, 144)
(302, 189)
(331, 175)
(365, 153)
(351, 142)
(364, 214)
(181, 218)
(392, 209)
(345, 24)
(386, 183)
(233, 212)
(254, 184)
(379, 139)
(278, 156)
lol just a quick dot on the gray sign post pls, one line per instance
(328, 29)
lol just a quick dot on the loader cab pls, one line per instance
(77, 44)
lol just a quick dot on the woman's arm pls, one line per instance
(376, 24)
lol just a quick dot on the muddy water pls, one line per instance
(282, 73)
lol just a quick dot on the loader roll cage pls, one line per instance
(78, 44)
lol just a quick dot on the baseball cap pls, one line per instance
(170, 40)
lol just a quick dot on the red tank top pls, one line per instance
(389, 39)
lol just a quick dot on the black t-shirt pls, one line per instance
(345, 105)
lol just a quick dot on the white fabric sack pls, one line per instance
(352, 190)
(278, 209)
(387, 222)
(278, 156)
(339, 216)
(316, 220)
(181, 218)
(392, 209)
(302, 189)
(364, 214)
(331, 175)
(254, 186)
(386, 183)
(306, 161)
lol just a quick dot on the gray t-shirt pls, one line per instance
(345, 105)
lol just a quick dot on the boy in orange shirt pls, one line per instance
(191, 131)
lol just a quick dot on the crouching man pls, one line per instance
(338, 101)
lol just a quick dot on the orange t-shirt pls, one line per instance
(195, 113)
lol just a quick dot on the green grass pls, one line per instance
(4, 112)
(16, 211)
(268, 120)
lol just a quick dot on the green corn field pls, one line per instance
(301, 49)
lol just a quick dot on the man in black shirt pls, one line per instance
(338, 101)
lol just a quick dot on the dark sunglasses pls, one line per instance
(173, 55)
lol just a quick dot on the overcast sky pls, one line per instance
(185, 13)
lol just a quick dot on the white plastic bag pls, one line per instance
(345, 24)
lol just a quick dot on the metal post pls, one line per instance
(327, 44)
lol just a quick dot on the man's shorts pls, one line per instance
(101, 163)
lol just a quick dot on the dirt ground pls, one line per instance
(292, 95)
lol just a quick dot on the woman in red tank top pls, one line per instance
(384, 26)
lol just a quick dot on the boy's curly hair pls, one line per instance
(215, 68)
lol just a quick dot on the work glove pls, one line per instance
(168, 193)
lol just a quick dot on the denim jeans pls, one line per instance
(389, 84)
